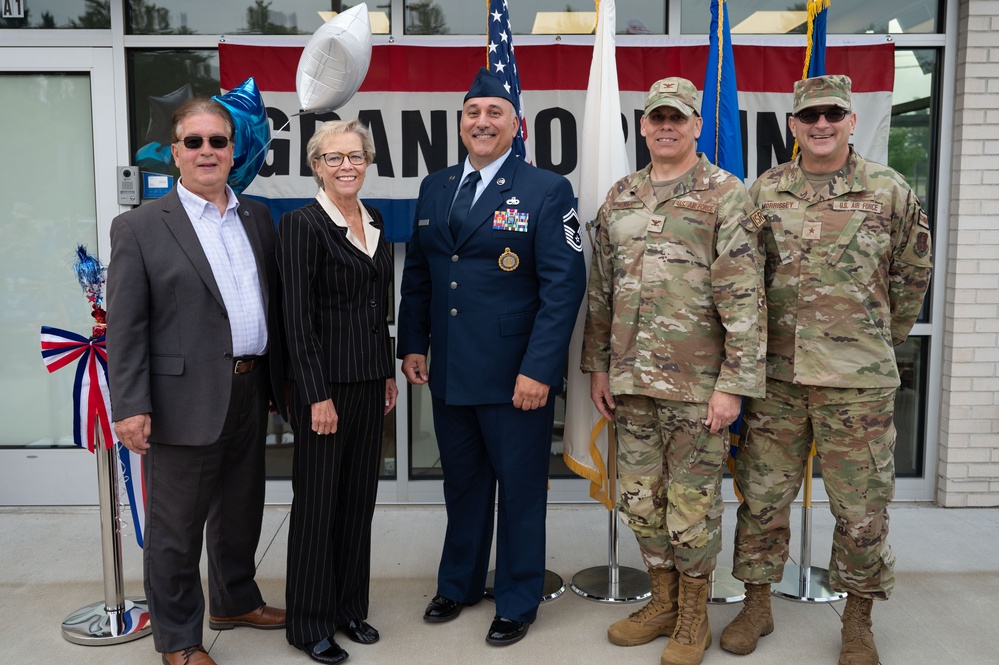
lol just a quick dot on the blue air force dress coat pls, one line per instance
(499, 300)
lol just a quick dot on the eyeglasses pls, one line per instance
(194, 142)
(336, 158)
(811, 116)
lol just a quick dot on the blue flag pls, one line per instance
(721, 135)
(818, 11)
(503, 64)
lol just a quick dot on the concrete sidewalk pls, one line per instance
(943, 610)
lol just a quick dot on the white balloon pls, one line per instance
(335, 61)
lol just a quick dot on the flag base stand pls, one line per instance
(723, 588)
(98, 625)
(116, 619)
(554, 586)
(804, 582)
(612, 583)
(807, 584)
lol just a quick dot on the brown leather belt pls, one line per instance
(246, 365)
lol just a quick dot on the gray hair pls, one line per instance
(197, 106)
(335, 128)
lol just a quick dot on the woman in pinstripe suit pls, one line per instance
(336, 274)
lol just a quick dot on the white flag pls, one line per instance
(603, 161)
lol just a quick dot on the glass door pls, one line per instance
(59, 190)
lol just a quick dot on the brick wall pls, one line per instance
(968, 471)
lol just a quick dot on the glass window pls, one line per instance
(912, 149)
(910, 407)
(160, 82)
(54, 145)
(790, 16)
(246, 17)
(540, 17)
(54, 14)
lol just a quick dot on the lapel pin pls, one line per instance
(500, 181)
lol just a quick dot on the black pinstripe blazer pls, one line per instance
(335, 300)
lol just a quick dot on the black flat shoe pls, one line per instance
(506, 631)
(442, 609)
(361, 632)
(325, 651)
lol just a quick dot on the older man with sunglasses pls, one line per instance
(191, 287)
(847, 266)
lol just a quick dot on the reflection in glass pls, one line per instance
(910, 407)
(48, 207)
(460, 17)
(242, 17)
(160, 82)
(911, 149)
(789, 16)
(56, 14)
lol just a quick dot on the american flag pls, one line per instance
(503, 64)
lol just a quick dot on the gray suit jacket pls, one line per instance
(169, 342)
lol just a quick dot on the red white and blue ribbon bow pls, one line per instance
(91, 400)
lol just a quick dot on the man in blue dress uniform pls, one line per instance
(493, 280)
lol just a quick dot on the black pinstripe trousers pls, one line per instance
(335, 479)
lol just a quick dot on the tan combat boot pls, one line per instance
(693, 632)
(754, 621)
(658, 617)
(858, 640)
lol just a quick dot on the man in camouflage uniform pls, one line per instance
(675, 335)
(847, 265)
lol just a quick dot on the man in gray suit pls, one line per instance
(190, 284)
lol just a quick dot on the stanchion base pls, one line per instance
(808, 585)
(724, 589)
(94, 625)
(595, 584)
(554, 586)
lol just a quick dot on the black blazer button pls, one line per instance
(227, 355)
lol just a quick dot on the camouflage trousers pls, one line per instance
(669, 476)
(854, 436)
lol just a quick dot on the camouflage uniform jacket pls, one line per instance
(676, 301)
(846, 272)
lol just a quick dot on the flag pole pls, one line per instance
(804, 582)
(612, 583)
(116, 619)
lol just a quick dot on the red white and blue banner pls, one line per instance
(92, 407)
(412, 96)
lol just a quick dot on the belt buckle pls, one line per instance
(237, 367)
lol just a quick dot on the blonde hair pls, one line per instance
(335, 128)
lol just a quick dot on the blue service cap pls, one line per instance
(487, 84)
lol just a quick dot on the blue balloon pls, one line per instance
(253, 132)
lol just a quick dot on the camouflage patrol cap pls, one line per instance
(832, 90)
(674, 92)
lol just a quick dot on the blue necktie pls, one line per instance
(463, 203)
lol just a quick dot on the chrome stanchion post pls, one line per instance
(804, 582)
(116, 619)
(612, 583)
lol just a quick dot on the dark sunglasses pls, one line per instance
(811, 116)
(194, 142)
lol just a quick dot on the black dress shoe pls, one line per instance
(325, 651)
(506, 631)
(361, 632)
(442, 609)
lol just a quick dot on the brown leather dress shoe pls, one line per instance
(264, 617)
(195, 655)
